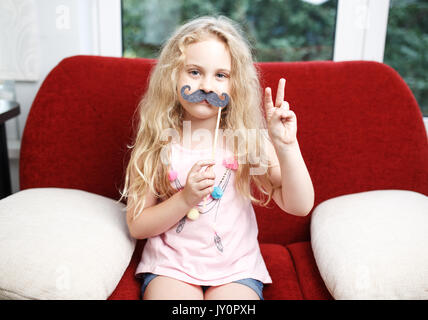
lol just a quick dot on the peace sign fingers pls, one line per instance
(268, 98)
(281, 122)
(268, 103)
(279, 101)
(280, 93)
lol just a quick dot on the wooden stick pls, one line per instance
(214, 146)
(216, 133)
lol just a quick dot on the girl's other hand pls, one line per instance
(282, 122)
(199, 183)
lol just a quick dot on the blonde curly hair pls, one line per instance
(160, 110)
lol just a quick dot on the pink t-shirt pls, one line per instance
(221, 245)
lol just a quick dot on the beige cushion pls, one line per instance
(373, 245)
(62, 244)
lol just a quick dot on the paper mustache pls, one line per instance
(199, 96)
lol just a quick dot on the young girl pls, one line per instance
(194, 204)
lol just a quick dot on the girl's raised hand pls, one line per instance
(199, 183)
(281, 121)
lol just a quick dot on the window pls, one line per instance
(406, 48)
(277, 30)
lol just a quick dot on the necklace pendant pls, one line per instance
(180, 225)
(193, 214)
(230, 163)
(217, 193)
(172, 175)
(217, 241)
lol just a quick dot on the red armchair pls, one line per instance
(359, 129)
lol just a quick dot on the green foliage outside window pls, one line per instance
(278, 30)
(406, 48)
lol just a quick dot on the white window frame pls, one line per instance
(107, 27)
(361, 27)
(361, 30)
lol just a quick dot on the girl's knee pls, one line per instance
(166, 288)
(231, 291)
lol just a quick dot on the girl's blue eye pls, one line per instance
(222, 75)
(194, 72)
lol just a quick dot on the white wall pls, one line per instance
(66, 28)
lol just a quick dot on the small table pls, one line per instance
(8, 110)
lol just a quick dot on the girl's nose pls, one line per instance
(206, 85)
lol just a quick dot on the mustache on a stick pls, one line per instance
(199, 96)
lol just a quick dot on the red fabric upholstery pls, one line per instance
(129, 287)
(310, 281)
(359, 129)
(285, 284)
(80, 124)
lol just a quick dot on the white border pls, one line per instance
(107, 27)
(361, 30)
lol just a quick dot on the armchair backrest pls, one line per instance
(359, 129)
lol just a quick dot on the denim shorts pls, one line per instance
(254, 284)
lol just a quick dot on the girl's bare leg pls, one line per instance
(231, 291)
(166, 288)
